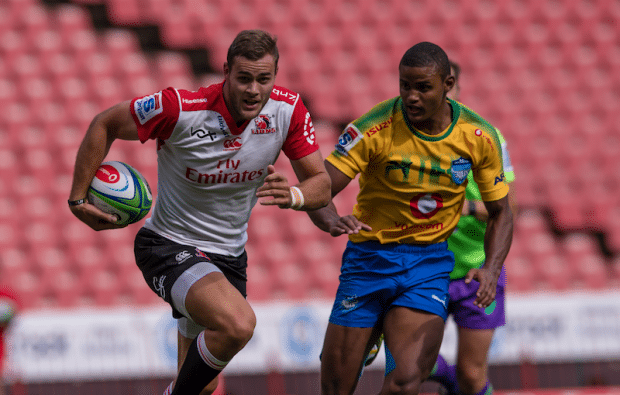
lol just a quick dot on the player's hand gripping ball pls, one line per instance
(121, 190)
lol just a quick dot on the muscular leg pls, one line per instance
(228, 318)
(472, 363)
(183, 346)
(229, 322)
(344, 351)
(414, 338)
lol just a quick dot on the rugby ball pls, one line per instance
(121, 190)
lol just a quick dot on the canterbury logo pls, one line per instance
(182, 256)
(232, 144)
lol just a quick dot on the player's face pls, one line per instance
(248, 86)
(423, 92)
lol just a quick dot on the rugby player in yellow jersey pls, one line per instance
(413, 154)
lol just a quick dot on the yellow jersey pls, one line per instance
(412, 185)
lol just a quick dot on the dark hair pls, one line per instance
(457, 70)
(253, 45)
(427, 54)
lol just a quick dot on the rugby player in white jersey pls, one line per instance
(216, 148)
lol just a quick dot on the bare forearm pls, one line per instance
(497, 239)
(316, 191)
(91, 153)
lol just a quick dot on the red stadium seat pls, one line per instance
(260, 284)
(26, 285)
(593, 272)
(555, 274)
(71, 20)
(520, 274)
(290, 280)
(65, 289)
(176, 29)
(124, 13)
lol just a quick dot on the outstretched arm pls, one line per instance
(312, 190)
(113, 123)
(497, 241)
(327, 218)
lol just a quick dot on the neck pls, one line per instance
(438, 123)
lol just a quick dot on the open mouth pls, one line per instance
(415, 110)
(251, 104)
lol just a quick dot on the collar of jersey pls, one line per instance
(456, 112)
(220, 107)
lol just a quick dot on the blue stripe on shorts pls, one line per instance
(374, 277)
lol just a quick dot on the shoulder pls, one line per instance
(380, 116)
(467, 116)
(203, 99)
(366, 127)
(474, 125)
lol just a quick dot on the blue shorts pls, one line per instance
(375, 277)
(468, 315)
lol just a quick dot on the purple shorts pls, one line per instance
(468, 315)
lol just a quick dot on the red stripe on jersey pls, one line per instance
(300, 140)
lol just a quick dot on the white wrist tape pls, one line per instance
(297, 198)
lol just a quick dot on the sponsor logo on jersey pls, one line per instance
(478, 132)
(222, 124)
(233, 144)
(348, 139)
(201, 133)
(147, 107)
(500, 178)
(284, 94)
(379, 127)
(193, 101)
(426, 205)
(309, 129)
(222, 176)
(415, 228)
(263, 125)
(459, 170)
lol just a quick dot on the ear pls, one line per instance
(449, 83)
(226, 70)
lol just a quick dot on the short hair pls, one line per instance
(253, 45)
(427, 54)
(457, 70)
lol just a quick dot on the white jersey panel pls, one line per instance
(207, 177)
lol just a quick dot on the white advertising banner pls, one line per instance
(63, 345)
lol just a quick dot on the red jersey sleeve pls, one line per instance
(156, 115)
(300, 140)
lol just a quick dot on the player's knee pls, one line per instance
(471, 378)
(404, 385)
(239, 330)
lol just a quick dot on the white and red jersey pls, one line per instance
(208, 167)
